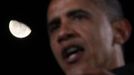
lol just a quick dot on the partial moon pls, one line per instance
(19, 29)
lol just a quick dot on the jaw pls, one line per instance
(117, 60)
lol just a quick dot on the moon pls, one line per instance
(19, 29)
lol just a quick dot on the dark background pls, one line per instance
(29, 55)
(32, 55)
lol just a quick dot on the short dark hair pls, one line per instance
(112, 8)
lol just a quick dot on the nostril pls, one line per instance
(65, 37)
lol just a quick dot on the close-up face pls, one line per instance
(81, 36)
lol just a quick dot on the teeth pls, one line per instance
(71, 51)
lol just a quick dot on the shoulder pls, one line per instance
(125, 70)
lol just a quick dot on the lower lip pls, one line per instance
(74, 58)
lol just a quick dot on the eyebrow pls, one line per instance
(73, 12)
(70, 13)
(56, 19)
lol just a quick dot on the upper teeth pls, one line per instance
(72, 50)
(69, 51)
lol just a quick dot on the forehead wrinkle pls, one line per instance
(56, 5)
(64, 6)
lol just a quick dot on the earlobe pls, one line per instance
(122, 30)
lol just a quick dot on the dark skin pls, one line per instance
(79, 24)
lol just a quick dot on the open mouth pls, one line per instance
(72, 53)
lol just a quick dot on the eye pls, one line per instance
(54, 25)
(79, 16)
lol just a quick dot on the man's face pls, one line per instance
(80, 35)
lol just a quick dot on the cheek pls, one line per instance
(54, 46)
(56, 52)
(106, 40)
(102, 45)
(98, 43)
(90, 36)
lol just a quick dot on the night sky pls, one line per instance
(28, 55)
(32, 55)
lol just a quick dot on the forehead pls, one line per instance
(58, 7)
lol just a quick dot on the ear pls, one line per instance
(122, 30)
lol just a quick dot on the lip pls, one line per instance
(72, 53)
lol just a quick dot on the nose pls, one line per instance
(66, 33)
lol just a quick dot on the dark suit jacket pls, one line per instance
(125, 70)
